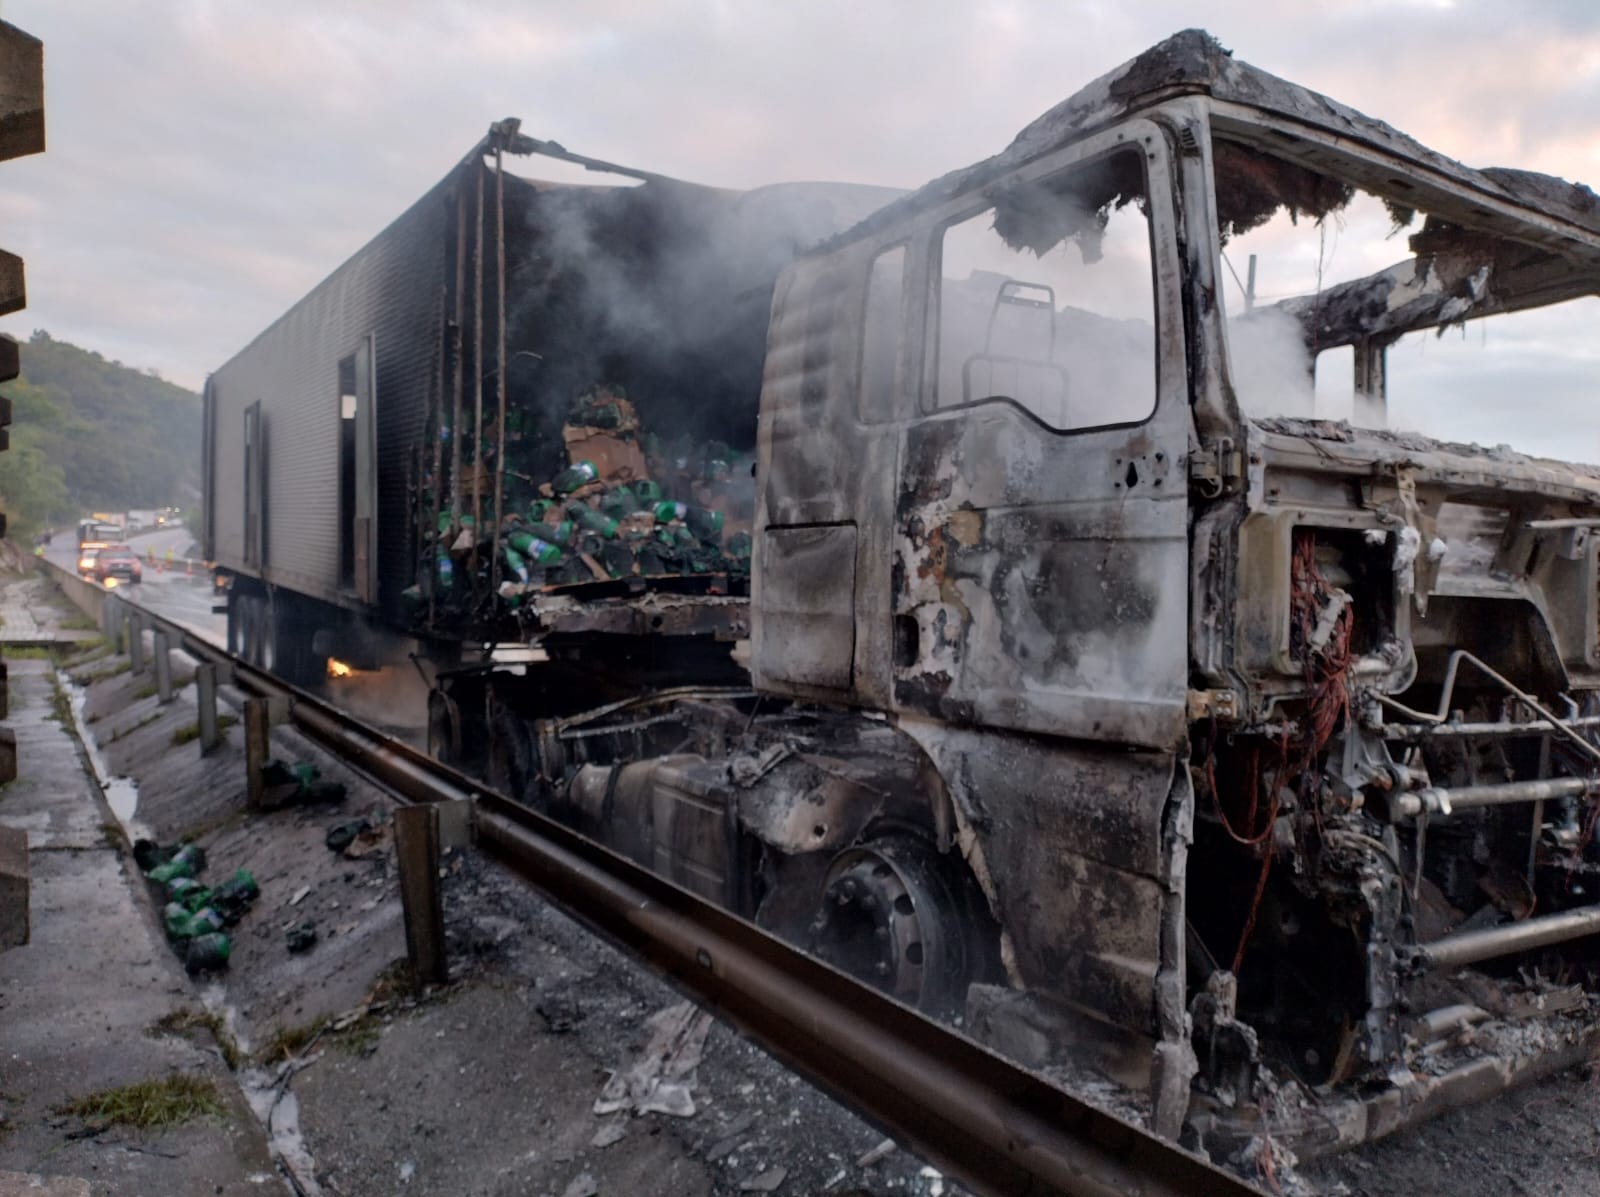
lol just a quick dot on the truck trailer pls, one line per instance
(974, 587)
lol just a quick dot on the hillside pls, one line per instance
(91, 434)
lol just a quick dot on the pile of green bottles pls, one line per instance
(196, 916)
(576, 527)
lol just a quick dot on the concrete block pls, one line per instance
(13, 887)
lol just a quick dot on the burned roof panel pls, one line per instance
(1194, 62)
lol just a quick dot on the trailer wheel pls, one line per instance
(444, 729)
(511, 768)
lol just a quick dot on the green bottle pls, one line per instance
(537, 509)
(176, 920)
(515, 563)
(180, 888)
(705, 523)
(206, 952)
(578, 474)
(541, 552)
(204, 921)
(619, 504)
(591, 520)
(562, 533)
(647, 492)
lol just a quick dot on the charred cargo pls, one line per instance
(986, 601)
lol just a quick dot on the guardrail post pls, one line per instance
(255, 751)
(135, 643)
(161, 647)
(205, 684)
(416, 851)
(115, 617)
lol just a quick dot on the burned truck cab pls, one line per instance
(1263, 724)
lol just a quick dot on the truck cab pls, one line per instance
(1196, 667)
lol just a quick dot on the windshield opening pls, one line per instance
(1347, 306)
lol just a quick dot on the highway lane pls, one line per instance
(180, 593)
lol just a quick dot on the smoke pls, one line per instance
(663, 289)
(1270, 365)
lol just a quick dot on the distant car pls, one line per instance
(114, 561)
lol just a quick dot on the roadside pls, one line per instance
(107, 1076)
(491, 1084)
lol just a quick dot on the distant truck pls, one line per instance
(143, 520)
(927, 593)
(99, 529)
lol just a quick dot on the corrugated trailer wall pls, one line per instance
(394, 289)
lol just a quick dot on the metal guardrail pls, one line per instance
(995, 1126)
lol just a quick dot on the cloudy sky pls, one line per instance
(210, 161)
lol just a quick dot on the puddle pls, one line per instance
(122, 793)
(271, 1100)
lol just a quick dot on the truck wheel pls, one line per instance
(901, 917)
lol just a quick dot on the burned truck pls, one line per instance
(997, 595)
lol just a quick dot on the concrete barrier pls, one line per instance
(89, 597)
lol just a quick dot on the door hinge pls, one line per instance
(1216, 468)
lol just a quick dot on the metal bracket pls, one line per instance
(1216, 469)
(1221, 705)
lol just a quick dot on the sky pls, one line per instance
(210, 161)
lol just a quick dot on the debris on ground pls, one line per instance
(301, 937)
(300, 784)
(661, 1079)
(876, 1154)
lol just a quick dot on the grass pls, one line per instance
(222, 822)
(27, 652)
(186, 1022)
(129, 730)
(60, 703)
(78, 622)
(117, 670)
(144, 692)
(288, 1042)
(190, 732)
(149, 1104)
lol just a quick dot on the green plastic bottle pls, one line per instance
(619, 504)
(647, 492)
(588, 518)
(705, 523)
(180, 888)
(176, 920)
(532, 548)
(580, 473)
(515, 563)
(208, 952)
(537, 509)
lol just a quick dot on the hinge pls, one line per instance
(1216, 468)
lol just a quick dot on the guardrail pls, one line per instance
(997, 1127)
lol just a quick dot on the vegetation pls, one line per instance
(149, 1104)
(91, 434)
(187, 1023)
(190, 732)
